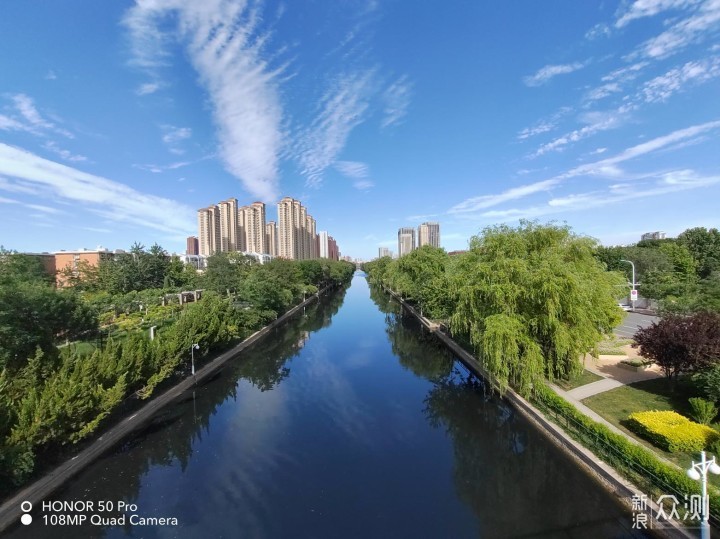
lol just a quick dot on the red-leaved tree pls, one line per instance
(681, 344)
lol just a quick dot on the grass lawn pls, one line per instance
(613, 345)
(584, 378)
(617, 404)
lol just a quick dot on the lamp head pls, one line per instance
(693, 474)
(714, 468)
(196, 346)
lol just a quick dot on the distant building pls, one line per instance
(406, 241)
(209, 230)
(429, 234)
(71, 260)
(384, 251)
(255, 228)
(659, 235)
(228, 210)
(271, 238)
(323, 244)
(193, 247)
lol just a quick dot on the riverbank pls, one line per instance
(10, 511)
(608, 477)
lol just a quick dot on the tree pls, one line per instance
(533, 301)
(704, 245)
(681, 344)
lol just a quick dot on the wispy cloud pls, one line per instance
(662, 87)
(544, 125)
(50, 75)
(486, 201)
(148, 88)
(30, 119)
(604, 168)
(597, 31)
(113, 200)
(342, 108)
(647, 8)
(352, 169)
(596, 122)
(356, 171)
(549, 71)
(65, 154)
(693, 29)
(228, 50)
(397, 100)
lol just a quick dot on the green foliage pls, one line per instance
(51, 397)
(702, 411)
(533, 300)
(708, 382)
(634, 461)
(671, 431)
(704, 245)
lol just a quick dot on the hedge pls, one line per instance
(670, 431)
(633, 461)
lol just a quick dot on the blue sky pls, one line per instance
(118, 120)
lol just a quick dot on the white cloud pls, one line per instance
(596, 122)
(363, 185)
(604, 168)
(662, 87)
(352, 169)
(65, 154)
(597, 31)
(4, 200)
(148, 88)
(486, 201)
(111, 199)
(625, 74)
(227, 49)
(550, 71)
(44, 209)
(173, 134)
(397, 100)
(50, 75)
(647, 8)
(29, 119)
(692, 29)
(544, 125)
(343, 107)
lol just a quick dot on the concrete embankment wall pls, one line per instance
(612, 481)
(10, 511)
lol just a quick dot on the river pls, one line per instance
(348, 421)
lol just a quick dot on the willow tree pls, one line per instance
(533, 300)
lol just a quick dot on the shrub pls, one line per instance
(634, 461)
(671, 431)
(702, 411)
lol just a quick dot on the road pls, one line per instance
(632, 322)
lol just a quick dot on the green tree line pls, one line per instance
(531, 301)
(53, 396)
(682, 274)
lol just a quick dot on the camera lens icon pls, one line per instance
(26, 507)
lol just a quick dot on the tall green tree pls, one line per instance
(533, 301)
(704, 244)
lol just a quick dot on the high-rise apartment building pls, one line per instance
(242, 230)
(209, 230)
(384, 251)
(271, 242)
(296, 231)
(429, 234)
(658, 235)
(323, 247)
(333, 251)
(406, 240)
(192, 248)
(255, 228)
(228, 225)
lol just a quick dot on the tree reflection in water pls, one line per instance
(179, 427)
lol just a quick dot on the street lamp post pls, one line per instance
(192, 357)
(632, 301)
(699, 471)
